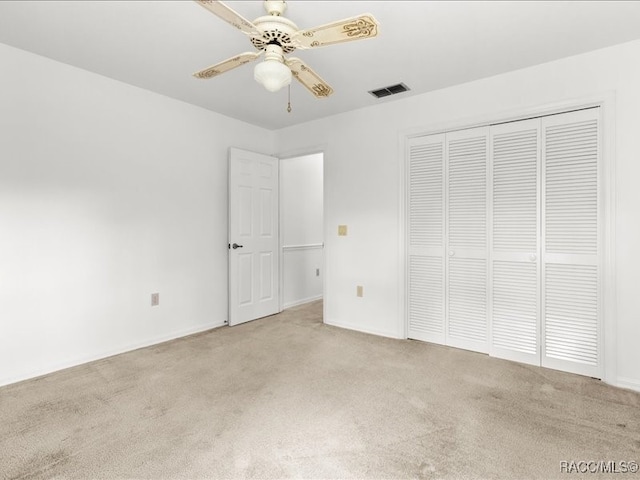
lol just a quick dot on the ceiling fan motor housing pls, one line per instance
(275, 30)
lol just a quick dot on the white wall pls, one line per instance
(363, 168)
(107, 194)
(301, 221)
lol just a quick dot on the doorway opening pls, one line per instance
(301, 229)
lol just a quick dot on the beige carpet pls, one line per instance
(289, 397)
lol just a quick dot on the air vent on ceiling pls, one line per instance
(392, 90)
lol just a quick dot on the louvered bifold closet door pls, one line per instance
(571, 248)
(514, 237)
(467, 245)
(426, 238)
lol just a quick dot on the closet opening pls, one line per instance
(504, 240)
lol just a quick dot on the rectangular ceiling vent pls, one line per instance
(392, 90)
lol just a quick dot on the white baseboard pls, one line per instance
(358, 328)
(630, 383)
(108, 353)
(301, 302)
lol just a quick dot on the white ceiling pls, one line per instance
(427, 45)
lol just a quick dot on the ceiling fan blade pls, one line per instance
(347, 30)
(309, 78)
(225, 66)
(230, 16)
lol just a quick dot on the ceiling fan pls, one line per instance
(276, 36)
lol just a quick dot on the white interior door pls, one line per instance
(253, 236)
(514, 238)
(426, 241)
(571, 313)
(467, 246)
(505, 240)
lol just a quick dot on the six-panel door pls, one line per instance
(253, 236)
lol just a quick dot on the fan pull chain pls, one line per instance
(289, 104)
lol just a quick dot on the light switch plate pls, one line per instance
(342, 230)
(359, 291)
(155, 299)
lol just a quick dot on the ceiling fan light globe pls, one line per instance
(272, 75)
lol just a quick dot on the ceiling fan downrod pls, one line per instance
(275, 7)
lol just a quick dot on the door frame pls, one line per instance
(287, 155)
(607, 102)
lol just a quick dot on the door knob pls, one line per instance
(235, 245)
(532, 257)
(451, 253)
